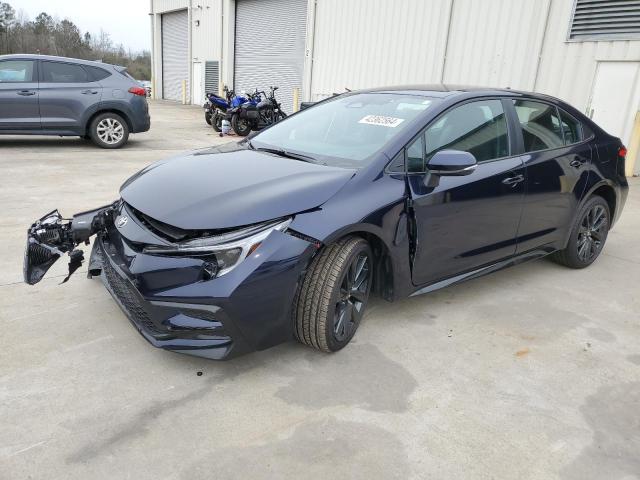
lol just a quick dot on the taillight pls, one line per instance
(622, 152)
(138, 91)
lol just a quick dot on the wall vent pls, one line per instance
(605, 20)
(211, 76)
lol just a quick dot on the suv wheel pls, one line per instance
(109, 130)
(588, 235)
(334, 295)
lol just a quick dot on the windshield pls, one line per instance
(346, 131)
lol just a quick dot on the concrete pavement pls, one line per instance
(530, 373)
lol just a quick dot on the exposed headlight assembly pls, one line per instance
(226, 251)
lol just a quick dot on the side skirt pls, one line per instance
(447, 282)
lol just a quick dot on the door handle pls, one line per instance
(26, 93)
(89, 92)
(576, 163)
(513, 180)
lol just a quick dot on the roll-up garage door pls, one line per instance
(269, 47)
(175, 54)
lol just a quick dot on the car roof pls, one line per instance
(31, 56)
(446, 91)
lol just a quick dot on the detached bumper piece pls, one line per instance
(195, 329)
(52, 236)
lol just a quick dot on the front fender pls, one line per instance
(373, 209)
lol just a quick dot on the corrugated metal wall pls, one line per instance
(495, 42)
(365, 43)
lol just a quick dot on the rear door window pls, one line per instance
(55, 72)
(540, 124)
(16, 71)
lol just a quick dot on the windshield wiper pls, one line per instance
(284, 153)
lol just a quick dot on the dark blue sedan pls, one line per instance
(392, 191)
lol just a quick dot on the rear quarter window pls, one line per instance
(97, 73)
(572, 128)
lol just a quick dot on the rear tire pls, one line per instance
(240, 125)
(216, 122)
(588, 235)
(109, 130)
(334, 295)
(207, 117)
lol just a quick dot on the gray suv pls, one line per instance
(43, 95)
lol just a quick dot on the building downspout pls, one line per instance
(152, 18)
(221, 64)
(446, 43)
(544, 37)
(189, 87)
(309, 47)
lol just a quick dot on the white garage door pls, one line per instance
(269, 46)
(175, 54)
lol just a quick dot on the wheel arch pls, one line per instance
(605, 190)
(384, 278)
(100, 111)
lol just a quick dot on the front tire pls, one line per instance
(109, 130)
(207, 117)
(588, 235)
(241, 126)
(334, 295)
(280, 115)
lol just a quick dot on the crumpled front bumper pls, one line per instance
(170, 303)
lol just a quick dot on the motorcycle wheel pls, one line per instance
(216, 122)
(280, 115)
(207, 117)
(240, 125)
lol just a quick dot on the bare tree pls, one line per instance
(49, 35)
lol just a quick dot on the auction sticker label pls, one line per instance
(382, 121)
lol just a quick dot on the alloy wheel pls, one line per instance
(592, 233)
(354, 291)
(110, 131)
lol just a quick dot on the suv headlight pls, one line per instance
(224, 252)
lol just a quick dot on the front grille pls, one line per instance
(163, 230)
(128, 298)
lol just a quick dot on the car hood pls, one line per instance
(229, 187)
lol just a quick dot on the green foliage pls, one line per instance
(49, 36)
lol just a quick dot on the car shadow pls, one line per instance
(31, 143)
(37, 141)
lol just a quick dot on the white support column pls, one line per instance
(307, 72)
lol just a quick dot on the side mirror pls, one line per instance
(452, 163)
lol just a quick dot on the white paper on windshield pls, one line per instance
(382, 121)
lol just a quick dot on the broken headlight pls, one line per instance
(227, 250)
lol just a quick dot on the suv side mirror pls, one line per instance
(452, 163)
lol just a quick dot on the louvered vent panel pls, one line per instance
(211, 75)
(605, 20)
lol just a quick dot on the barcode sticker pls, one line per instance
(382, 121)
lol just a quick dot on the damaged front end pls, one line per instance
(50, 237)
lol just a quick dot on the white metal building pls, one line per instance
(586, 52)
